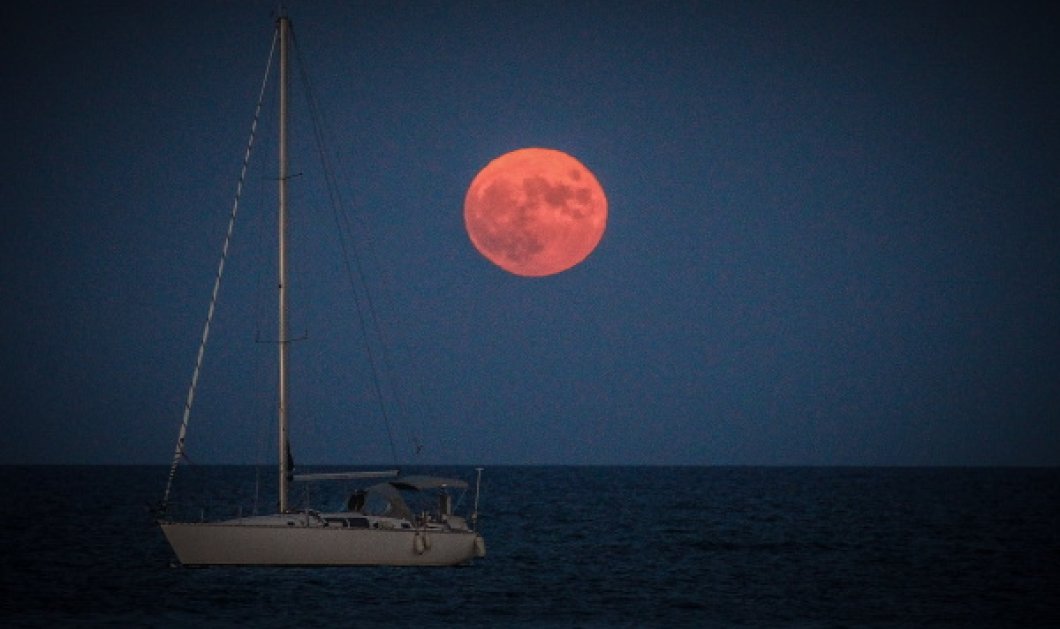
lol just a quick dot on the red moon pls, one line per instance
(535, 212)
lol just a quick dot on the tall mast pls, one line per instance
(284, 25)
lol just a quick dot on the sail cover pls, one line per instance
(345, 475)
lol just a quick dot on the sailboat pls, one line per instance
(376, 526)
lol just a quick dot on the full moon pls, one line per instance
(535, 212)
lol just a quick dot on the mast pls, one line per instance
(283, 23)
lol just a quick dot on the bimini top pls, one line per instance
(389, 493)
(421, 483)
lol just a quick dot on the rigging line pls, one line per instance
(342, 220)
(178, 452)
(379, 329)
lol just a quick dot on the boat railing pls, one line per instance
(209, 511)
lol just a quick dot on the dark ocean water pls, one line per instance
(573, 546)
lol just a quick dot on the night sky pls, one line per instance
(833, 233)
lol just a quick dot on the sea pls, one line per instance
(568, 547)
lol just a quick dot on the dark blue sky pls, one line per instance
(833, 233)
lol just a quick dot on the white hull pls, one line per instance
(238, 543)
